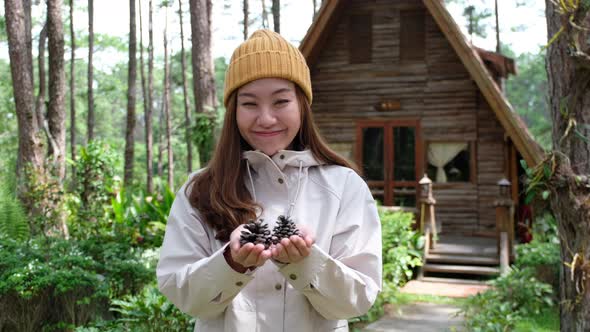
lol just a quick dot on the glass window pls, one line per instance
(404, 196)
(373, 166)
(404, 149)
(449, 162)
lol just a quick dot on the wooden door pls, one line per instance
(389, 153)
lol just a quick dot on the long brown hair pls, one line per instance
(219, 192)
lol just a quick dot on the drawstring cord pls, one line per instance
(294, 201)
(292, 204)
(291, 208)
(251, 181)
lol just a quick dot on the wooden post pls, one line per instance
(504, 207)
(427, 203)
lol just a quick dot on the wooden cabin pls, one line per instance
(399, 90)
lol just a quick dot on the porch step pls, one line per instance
(461, 269)
(454, 281)
(462, 259)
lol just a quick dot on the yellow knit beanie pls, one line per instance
(266, 54)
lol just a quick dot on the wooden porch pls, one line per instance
(461, 255)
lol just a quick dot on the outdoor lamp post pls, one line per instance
(427, 203)
(504, 188)
(504, 223)
(426, 186)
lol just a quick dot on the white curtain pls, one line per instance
(439, 154)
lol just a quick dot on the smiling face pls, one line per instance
(268, 114)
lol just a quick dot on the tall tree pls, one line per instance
(264, 15)
(498, 46)
(141, 62)
(187, 109)
(28, 33)
(476, 21)
(42, 91)
(203, 73)
(72, 86)
(149, 141)
(167, 111)
(245, 11)
(90, 122)
(131, 94)
(568, 69)
(160, 132)
(276, 15)
(56, 109)
(30, 152)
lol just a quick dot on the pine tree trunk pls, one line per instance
(131, 94)
(40, 102)
(56, 109)
(30, 149)
(72, 89)
(149, 141)
(203, 77)
(90, 122)
(498, 46)
(28, 35)
(245, 10)
(141, 62)
(167, 111)
(276, 15)
(264, 15)
(187, 109)
(42, 92)
(568, 69)
(160, 163)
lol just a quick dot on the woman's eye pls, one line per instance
(248, 104)
(281, 101)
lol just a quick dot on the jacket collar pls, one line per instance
(281, 159)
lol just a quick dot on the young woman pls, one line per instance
(270, 161)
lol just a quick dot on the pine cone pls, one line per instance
(284, 229)
(256, 232)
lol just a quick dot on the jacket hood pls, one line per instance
(257, 159)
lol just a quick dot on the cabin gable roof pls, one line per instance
(470, 56)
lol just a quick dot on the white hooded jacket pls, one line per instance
(340, 279)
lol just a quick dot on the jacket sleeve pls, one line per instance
(345, 281)
(193, 277)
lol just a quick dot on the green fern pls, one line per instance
(13, 221)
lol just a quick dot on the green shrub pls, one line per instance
(401, 254)
(56, 284)
(120, 264)
(150, 310)
(401, 247)
(544, 258)
(147, 311)
(93, 191)
(13, 220)
(45, 282)
(142, 218)
(516, 295)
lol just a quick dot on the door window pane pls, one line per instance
(404, 196)
(373, 154)
(404, 149)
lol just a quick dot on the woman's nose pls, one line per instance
(266, 117)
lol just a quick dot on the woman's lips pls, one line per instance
(267, 133)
